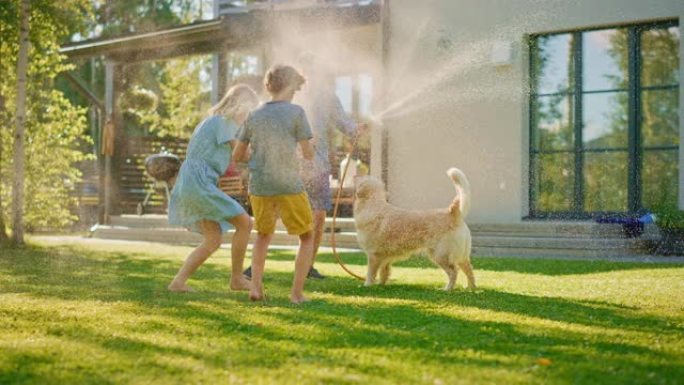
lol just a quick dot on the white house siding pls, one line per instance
(474, 114)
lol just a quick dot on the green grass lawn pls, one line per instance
(100, 314)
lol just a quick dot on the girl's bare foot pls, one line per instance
(176, 288)
(298, 299)
(240, 284)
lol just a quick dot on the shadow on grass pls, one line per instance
(539, 266)
(563, 267)
(417, 332)
(590, 313)
(43, 360)
(72, 273)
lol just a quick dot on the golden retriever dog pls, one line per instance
(388, 233)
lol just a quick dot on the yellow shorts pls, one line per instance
(294, 210)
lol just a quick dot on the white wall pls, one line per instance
(456, 108)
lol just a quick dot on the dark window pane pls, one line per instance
(552, 63)
(552, 122)
(605, 181)
(553, 181)
(660, 174)
(660, 57)
(660, 117)
(605, 122)
(605, 60)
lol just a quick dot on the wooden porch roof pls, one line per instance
(231, 31)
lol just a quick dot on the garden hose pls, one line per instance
(334, 216)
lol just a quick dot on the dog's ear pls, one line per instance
(362, 191)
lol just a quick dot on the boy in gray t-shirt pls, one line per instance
(273, 132)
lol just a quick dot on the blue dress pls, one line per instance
(195, 195)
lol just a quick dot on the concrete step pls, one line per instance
(161, 221)
(525, 252)
(557, 243)
(560, 246)
(182, 236)
(552, 239)
(580, 229)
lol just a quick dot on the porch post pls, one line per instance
(219, 69)
(214, 78)
(106, 136)
(681, 116)
(384, 134)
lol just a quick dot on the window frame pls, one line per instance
(635, 147)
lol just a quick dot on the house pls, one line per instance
(554, 109)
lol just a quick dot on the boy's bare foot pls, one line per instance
(180, 288)
(240, 284)
(256, 293)
(256, 297)
(298, 299)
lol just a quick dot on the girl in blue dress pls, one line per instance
(196, 201)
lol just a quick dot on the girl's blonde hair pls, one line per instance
(237, 97)
(280, 77)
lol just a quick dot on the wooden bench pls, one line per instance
(346, 205)
(234, 186)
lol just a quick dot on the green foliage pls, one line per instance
(54, 127)
(165, 98)
(138, 100)
(184, 97)
(100, 314)
(183, 88)
(118, 17)
(669, 217)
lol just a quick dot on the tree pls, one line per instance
(53, 127)
(184, 100)
(116, 17)
(553, 168)
(3, 228)
(22, 69)
(605, 165)
(659, 123)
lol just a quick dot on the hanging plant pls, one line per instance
(137, 100)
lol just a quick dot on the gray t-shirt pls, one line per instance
(326, 114)
(273, 131)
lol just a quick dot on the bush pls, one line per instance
(670, 219)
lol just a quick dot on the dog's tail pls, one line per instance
(462, 188)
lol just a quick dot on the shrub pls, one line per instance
(670, 218)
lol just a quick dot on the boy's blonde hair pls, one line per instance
(279, 77)
(237, 97)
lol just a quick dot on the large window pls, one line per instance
(604, 123)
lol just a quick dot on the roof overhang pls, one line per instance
(232, 31)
